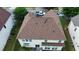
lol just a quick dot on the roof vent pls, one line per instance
(40, 13)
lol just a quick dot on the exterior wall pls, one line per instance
(58, 48)
(39, 42)
(75, 41)
(4, 33)
(31, 44)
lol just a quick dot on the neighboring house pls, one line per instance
(42, 31)
(9, 9)
(6, 24)
(74, 31)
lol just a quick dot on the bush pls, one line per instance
(19, 13)
(70, 11)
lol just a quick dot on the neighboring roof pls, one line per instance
(4, 15)
(42, 27)
(75, 20)
(52, 44)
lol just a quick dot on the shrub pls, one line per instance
(19, 13)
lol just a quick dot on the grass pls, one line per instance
(68, 43)
(12, 39)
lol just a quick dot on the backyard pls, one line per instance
(68, 43)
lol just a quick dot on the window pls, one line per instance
(26, 44)
(23, 40)
(55, 48)
(52, 48)
(30, 40)
(75, 29)
(77, 45)
(4, 26)
(59, 41)
(26, 40)
(37, 45)
(47, 48)
(73, 37)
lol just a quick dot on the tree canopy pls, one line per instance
(70, 11)
(19, 13)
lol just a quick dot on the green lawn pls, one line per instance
(12, 39)
(68, 43)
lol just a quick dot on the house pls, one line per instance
(6, 24)
(74, 31)
(42, 30)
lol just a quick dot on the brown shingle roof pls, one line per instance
(42, 27)
(4, 15)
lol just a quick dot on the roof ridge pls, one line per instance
(4, 15)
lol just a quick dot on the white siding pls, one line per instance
(36, 42)
(75, 34)
(4, 33)
(71, 28)
(54, 41)
(39, 42)
(59, 48)
(76, 40)
(21, 42)
(31, 44)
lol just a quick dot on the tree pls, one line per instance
(70, 11)
(19, 13)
